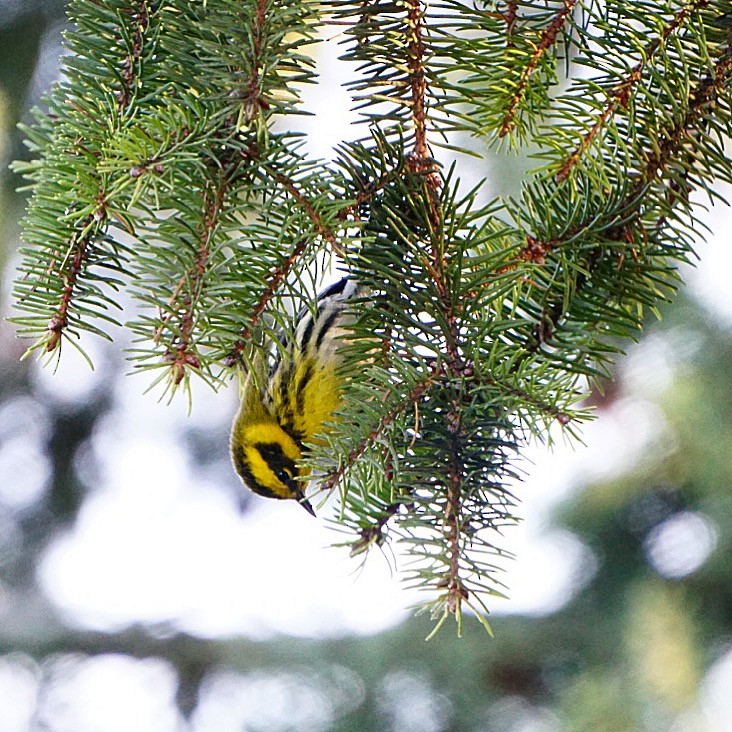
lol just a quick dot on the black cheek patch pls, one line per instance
(242, 467)
(278, 462)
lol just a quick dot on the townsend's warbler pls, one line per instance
(284, 407)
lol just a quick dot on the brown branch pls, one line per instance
(620, 93)
(510, 17)
(458, 370)
(281, 272)
(369, 189)
(253, 99)
(547, 409)
(278, 276)
(701, 101)
(77, 260)
(417, 80)
(320, 228)
(79, 242)
(547, 40)
(421, 160)
(453, 582)
(587, 139)
(273, 283)
(179, 353)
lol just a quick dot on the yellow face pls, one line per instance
(265, 457)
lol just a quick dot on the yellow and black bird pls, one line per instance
(284, 407)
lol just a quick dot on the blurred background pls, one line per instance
(141, 590)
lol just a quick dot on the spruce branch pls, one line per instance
(75, 238)
(625, 221)
(620, 94)
(414, 395)
(140, 20)
(274, 282)
(523, 397)
(547, 39)
(417, 80)
(253, 99)
(455, 591)
(702, 102)
(179, 351)
(177, 124)
(320, 228)
(510, 16)
(76, 260)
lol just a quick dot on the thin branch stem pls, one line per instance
(180, 353)
(141, 20)
(701, 101)
(90, 227)
(254, 100)
(619, 95)
(320, 228)
(542, 406)
(274, 282)
(453, 582)
(417, 80)
(79, 253)
(510, 16)
(421, 161)
(547, 40)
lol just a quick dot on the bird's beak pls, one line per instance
(300, 498)
(306, 505)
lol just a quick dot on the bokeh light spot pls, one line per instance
(681, 544)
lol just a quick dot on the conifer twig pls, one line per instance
(274, 282)
(179, 352)
(619, 95)
(547, 40)
(332, 479)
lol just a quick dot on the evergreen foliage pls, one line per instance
(159, 169)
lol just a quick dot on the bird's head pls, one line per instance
(265, 457)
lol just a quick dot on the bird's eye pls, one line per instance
(285, 475)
